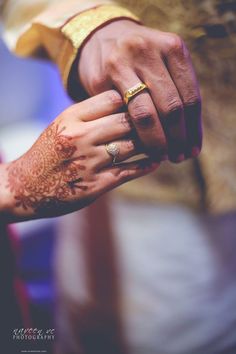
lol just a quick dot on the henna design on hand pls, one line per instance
(47, 176)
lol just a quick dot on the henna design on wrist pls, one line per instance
(47, 176)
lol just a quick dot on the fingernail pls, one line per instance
(180, 158)
(195, 151)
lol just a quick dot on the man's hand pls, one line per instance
(167, 117)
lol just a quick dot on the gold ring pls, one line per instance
(113, 150)
(133, 91)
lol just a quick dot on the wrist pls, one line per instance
(79, 31)
(10, 212)
(6, 197)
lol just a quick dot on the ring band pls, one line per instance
(133, 91)
(113, 150)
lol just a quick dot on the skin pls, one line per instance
(68, 167)
(167, 117)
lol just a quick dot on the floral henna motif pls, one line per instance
(47, 176)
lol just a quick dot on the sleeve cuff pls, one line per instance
(62, 44)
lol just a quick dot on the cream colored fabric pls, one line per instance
(55, 29)
(19, 15)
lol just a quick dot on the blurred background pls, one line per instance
(31, 96)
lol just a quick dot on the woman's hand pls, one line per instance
(167, 117)
(69, 167)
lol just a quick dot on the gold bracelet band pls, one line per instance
(80, 27)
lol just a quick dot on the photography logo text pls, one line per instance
(33, 334)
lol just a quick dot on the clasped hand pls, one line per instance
(69, 166)
(167, 118)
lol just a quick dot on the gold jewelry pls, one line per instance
(113, 150)
(133, 91)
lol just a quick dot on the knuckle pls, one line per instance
(143, 120)
(143, 116)
(173, 106)
(193, 101)
(83, 133)
(174, 43)
(125, 174)
(113, 62)
(114, 98)
(136, 43)
(97, 83)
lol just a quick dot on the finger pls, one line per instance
(144, 116)
(110, 128)
(104, 104)
(170, 108)
(115, 176)
(127, 148)
(181, 70)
